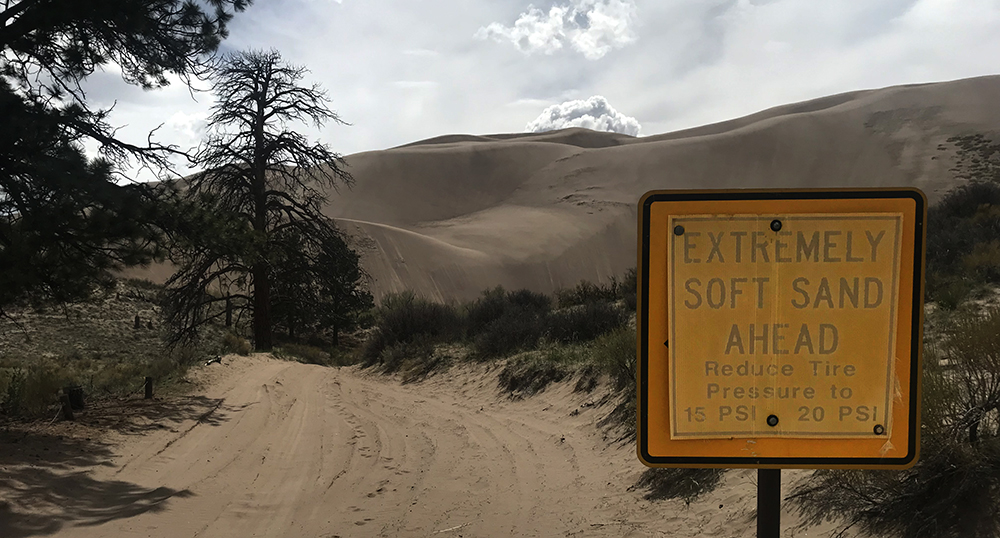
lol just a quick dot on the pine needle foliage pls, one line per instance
(268, 184)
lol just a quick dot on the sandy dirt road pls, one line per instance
(275, 448)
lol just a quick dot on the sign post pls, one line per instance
(780, 329)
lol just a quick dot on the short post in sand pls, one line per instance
(148, 385)
(768, 503)
(67, 409)
(780, 329)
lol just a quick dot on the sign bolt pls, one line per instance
(772, 420)
(775, 225)
(678, 230)
(879, 429)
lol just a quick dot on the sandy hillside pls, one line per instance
(453, 215)
(272, 448)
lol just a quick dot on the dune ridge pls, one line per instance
(452, 215)
(461, 213)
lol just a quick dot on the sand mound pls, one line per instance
(453, 215)
(543, 210)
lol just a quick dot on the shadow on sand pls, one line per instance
(46, 482)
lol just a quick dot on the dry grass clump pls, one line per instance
(233, 343)
(30, 388)
(615, 355)
(304, 353)
(618, 289)
(94, 345)
(530, 373)
(684, 484)
(585, 322)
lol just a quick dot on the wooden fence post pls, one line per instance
(149, 388)
(67, 409)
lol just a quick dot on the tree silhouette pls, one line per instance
(265, 185)
(64, 221)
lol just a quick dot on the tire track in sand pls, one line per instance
(297, 450)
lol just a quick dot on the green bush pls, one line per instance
(399, 354)
(963, 242)
(531, 373)
(485, 310)
(530, 301)
(587, 292)
(166, 368)
(949, 291)
(116, 378)
(232, 343)
(627, 289)
(343, 356)
(517, 330)
(405, 318)
(614, 354)
(413, 360)
(12, 390)
(585, 322)
(496, 303)
(954, 488)
(31, 391)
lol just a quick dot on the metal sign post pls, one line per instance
(768, 503)
(780, 329)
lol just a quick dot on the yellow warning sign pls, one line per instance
(782, 326)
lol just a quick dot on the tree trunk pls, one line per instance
(262, 330)
(229, 311)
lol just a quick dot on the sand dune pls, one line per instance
(544, 210)
(453, 215)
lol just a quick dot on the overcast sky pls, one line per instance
(403, 70)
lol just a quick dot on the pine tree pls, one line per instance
(65, 222)
(269, 182)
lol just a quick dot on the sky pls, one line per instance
(399, 71)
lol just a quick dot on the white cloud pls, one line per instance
(706, 61)
(593, 113)
(591, 27)
(415, 84)
(534, 103)
(427, 53)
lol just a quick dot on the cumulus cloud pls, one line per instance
(591, 27)
(593, 113)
